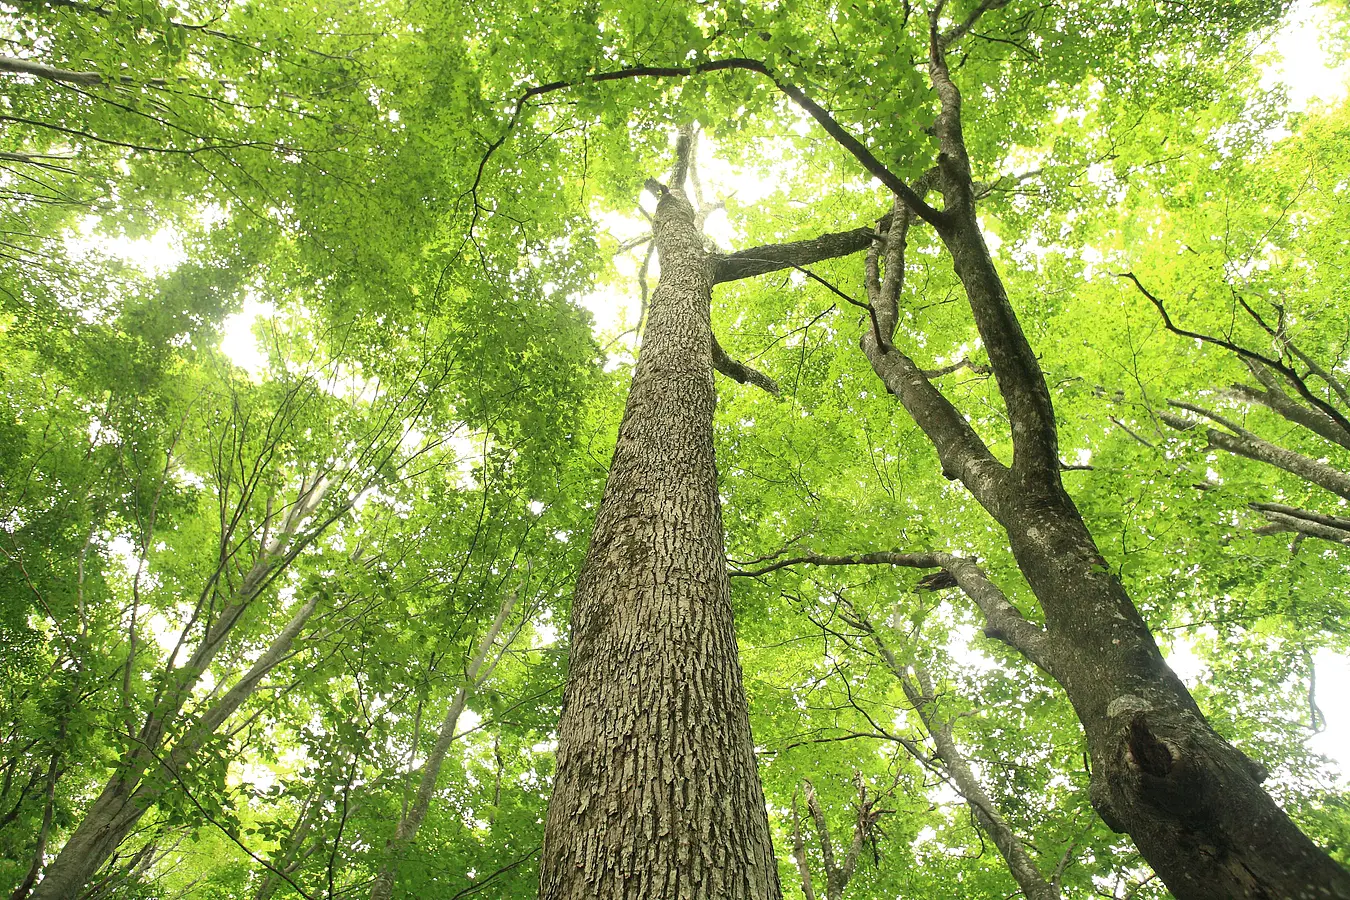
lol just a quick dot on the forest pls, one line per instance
(702, 449)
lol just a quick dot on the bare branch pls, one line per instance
(1249, 355)
(1241, 442)
(1004, 622)
(774, 257)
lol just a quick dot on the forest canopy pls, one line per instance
(399, 402)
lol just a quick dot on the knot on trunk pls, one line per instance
(940, 580)
(1148, 753)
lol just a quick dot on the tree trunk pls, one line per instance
(657, 795)
(1192, 802)
(128, 794)
(986, 812)
(411, 820)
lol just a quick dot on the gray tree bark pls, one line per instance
(657, 795)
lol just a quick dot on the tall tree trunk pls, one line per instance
(657, 795)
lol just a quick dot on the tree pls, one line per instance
(388, 180)
(656, 791)
(1188, 798)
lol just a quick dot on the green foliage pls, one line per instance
(428, 359)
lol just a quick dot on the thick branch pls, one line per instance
(15, 66)
(1244, 443)
(1303, 523)
(775, 257)
(1016, 369)
(963, 363)
(960, 450)
(1338, 522)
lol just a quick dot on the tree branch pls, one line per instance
(1243, 443)
(738, 371)
(1004, 622)
(14, 66)
(1248, 355)
(799, 852)
(775, 257)
(1277, 400)
(841, 135)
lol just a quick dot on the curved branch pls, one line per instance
(1247, 355)
(822, 116)
(738, 371)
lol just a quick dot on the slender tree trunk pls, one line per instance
(127, 795)
(1023, 868)
(40, 851)
(657, 795)
(408, 824)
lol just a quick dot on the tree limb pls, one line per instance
(774, 257)
(1249, 355)
(738, 371)
(832, 127)
(1243, 443)
(1004, 622)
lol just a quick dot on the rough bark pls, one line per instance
(763, 260)
(1191, 801)
(479, 671)
(656, 794)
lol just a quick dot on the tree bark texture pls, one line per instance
(657, 795)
